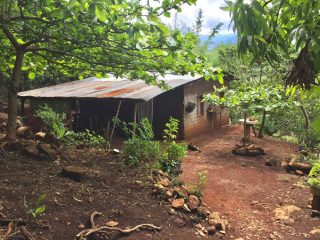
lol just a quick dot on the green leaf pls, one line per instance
(100, 13)
(31, 75)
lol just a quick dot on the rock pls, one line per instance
(51, 139)
(39, 136)
(285, 212)
(13, 146)
(31, 150)
(48, 150)
(202, 211)
(2, 136)
(73, 172)
(211, 230)
(19, 122)
(179, 222)
(272, 162)
(24, 132)
(198, 226)
(193, 202)
(315, 234)
(150, 179)
(164, 182)
(284, 164)
(220, 226)
(158, 187)
(177, 203)
(214, 218)
(299, 173)
(115, 151)
(168, 194)
(112, 224)
(186, 208)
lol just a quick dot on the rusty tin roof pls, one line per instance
(108, 88)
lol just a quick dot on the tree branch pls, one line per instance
(10, 36)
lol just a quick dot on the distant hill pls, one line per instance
(230, 38)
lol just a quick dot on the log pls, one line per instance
(304, 167)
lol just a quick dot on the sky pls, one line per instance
(211, 12)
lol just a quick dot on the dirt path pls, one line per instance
(246, 191)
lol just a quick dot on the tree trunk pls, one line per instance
(263, 121)
(12, 96)
(305, 114)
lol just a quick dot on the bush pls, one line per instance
(51, 120)
(87, 138)
(314, 176)
(172, 158)
(136, 151)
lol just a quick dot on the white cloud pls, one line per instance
(211, 12)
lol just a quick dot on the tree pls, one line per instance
(79, 38)
(197, 28)
(268, 27)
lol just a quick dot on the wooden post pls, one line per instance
(135, 112)
(114, 124)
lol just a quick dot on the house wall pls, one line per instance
(165, 105)
(200, 120)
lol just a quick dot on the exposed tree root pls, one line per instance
(94, 229)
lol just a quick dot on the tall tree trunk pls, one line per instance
(12, 96)
(263, 122)
(245, 129)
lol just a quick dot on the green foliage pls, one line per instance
(267, 28)
(171, 131)
(38, 207)
(198, 187)
(140, 147)
(137, 151)
(314, 176)
(173, 156)
(51, 120)
(86, 138)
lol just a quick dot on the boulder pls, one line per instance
(2, 136)
(177, 203)
(203, 211)
(193, 202)
(31, 150)
(74, 172)
(164, 182)
(19, 122)
(51, 139)
(24, 132)
(40, 136)
(214, 218)
(48, 150)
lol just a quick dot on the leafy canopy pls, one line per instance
(267, 28)
(78, 38)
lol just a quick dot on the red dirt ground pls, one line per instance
(246, 191)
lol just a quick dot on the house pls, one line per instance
(95, 101)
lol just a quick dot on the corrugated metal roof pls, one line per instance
(108, 88)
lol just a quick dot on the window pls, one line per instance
(200, 106)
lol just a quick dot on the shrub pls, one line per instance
(51, 120)
(314, 176)
(136, 151)
(172, 161)
(87, 138)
